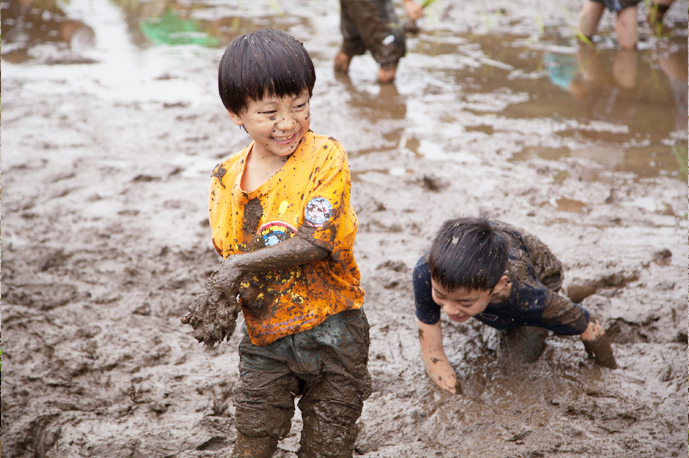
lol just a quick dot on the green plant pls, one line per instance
(680, 152)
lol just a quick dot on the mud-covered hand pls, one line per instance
(212, 314)
(435, 361)
(443, 374)
(597, 345)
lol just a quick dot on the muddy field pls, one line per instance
(106, 160)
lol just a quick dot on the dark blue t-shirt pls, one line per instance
(528, 299)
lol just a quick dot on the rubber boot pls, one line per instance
(254, 446)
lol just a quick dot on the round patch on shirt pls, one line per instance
(273, 233)
(318, 212)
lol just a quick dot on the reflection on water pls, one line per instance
(639, 97)
(170, 22)
(173, 26)
(625, 110)
(644, 91)
(40, 29)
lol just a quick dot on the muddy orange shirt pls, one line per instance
(308, 196)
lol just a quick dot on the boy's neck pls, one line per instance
(260, 168)
(503, 294)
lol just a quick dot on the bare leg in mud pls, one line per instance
(626, 28)
(342, 61)
(589, 17)
(625, 24)
(597, 345)
(386, 74)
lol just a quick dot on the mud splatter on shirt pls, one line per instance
(309, 198)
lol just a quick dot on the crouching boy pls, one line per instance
(281, 219)
(504, 277)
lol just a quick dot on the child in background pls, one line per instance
(626, 26)
(504, 277)
(374, 25)
(281, 219)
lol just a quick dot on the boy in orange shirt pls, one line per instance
(281, 219)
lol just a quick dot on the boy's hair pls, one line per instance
(263, 63)
(468, 253)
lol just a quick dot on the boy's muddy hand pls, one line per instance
(212, 315)
(597, 345)
(600, 350)
(443, 374)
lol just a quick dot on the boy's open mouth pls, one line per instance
(459, 318)
(285, 140)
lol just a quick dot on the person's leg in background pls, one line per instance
(589, 17)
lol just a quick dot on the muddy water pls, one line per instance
(111, 128)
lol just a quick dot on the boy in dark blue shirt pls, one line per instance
(505, 278)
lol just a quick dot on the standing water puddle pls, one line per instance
(516, 73)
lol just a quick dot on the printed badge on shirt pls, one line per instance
(272, 233)
(318, 212)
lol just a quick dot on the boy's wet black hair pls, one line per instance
(468, 253)
(264, 63)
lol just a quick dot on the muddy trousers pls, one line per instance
(523, 343)
(372, 25)
(327, 366)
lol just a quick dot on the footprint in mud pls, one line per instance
(433, 183)
(623, 332)
(472, 385)
(662, 257)
(45, 296)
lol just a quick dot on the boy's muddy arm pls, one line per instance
(285, 255)
(434, 359)
(597, 345)
(213, 313)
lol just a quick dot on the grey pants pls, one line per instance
(326, 365)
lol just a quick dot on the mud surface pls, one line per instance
(108, 149)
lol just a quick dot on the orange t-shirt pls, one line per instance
(309, 196)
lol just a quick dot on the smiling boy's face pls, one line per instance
(462, 304)
(276, 124)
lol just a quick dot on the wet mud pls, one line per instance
(105, 243)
